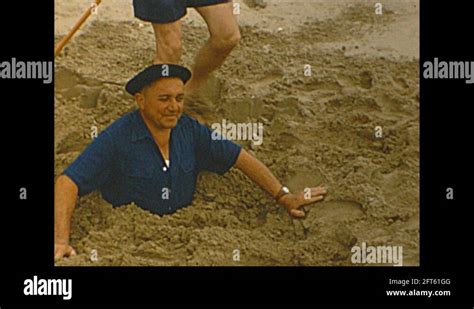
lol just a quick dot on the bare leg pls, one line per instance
(225, 35)
(168, 42)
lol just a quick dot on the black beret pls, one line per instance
(154, 72)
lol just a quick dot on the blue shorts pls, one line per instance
(167, 11)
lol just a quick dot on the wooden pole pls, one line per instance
(59, 46)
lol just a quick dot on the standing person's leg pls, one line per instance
(225, 35)
(168, 43)
(164, 16)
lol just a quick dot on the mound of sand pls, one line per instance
(318, 129)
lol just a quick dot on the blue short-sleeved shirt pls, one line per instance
(125, 164)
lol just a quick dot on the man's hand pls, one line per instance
(61, 250)
(65, 195)
(293, 202)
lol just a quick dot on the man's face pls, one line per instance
(161, 103)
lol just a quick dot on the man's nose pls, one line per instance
(174, 105)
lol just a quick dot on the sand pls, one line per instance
(318, 129)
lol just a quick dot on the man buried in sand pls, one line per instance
(165, 17)
(153, 155)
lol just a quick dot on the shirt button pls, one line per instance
(164, 169)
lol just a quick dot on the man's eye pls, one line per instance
(179, 99)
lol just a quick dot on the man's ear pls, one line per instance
(140, 99)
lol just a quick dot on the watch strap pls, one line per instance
(281, 193)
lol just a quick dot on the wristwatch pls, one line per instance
(283, 191)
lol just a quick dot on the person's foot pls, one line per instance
(192, 88)
(261, 3)
(197, 107)
(202, 103)
(256, 3)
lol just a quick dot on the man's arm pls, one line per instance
(261, 175)
(89, 171)
(218, 156)
(65, 196)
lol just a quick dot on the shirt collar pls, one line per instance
(140, 129)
